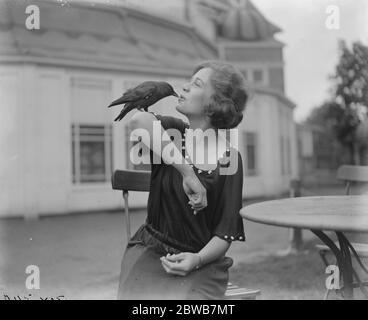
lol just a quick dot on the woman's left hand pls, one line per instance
(180, 264)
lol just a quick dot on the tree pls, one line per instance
(342, 113)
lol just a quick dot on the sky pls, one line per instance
(311, 49)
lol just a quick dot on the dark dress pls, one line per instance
(171, 227)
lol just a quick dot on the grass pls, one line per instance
(79, 258)
(293, 277)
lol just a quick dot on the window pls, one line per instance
(288, 155)
(255, 75)
(282, 154)
(285, 142)
(258, 76)
(250, 139)
(285, 153)
(92, 153)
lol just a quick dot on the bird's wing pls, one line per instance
(143, 91)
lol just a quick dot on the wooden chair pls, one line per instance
(349, 174)
(134, 180)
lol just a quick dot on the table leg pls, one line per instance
(343, 257)
(343, 260)
(347, 269)
(348, 247)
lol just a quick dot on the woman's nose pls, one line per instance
(186, 87)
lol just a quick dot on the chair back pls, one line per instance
(130, 180)
(350, 173)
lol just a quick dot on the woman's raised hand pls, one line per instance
(195, 191)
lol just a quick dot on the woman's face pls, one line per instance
(196, 94)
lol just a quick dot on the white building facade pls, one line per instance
(59, 144)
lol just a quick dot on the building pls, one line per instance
(58, 140)
(320, 154)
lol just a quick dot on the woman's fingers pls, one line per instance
(175, 257)
(172, 267)
(196, 209)
(177, 273)
(198, 203)
(196, 206)
(168, 270)
(195, 191)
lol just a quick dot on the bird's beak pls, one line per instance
(116, 102)
(175, 94)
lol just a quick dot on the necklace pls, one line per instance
(189, 160)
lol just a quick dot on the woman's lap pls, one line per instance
(143, 277)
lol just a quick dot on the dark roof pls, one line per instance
(100, 34)
(241, 20)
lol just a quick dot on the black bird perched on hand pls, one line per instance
(143, 96)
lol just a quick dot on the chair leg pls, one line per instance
(126, 213)
(326, 294)
(322, 254)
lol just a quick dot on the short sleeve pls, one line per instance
(230, 223)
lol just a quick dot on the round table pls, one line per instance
(326, 213)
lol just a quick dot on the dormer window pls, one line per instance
(258, 76)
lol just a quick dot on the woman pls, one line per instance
(193, 209)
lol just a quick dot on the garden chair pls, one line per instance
(134, 180)
(349, 174)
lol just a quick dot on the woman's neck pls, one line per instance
(199, 123)
(208, 146)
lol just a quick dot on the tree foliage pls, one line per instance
(347, 107)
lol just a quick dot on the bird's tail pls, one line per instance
(118, 101)
(123, 113)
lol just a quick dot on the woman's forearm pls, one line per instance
(214, 249)
(193, 188)
(144, 120)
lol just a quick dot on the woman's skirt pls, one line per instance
(142, 276)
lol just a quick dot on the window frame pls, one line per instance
(77, 137)
(254, 171)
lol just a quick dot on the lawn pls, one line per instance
(79, 258)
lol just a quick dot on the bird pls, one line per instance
(142, 96)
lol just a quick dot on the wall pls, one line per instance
(37, 111)
(263, 117)
(12, 142)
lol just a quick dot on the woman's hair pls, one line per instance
(230, 96)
